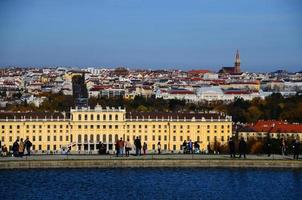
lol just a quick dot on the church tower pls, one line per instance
(237, 62)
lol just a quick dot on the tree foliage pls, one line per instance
(272, 107)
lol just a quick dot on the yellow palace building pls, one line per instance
(84, 128)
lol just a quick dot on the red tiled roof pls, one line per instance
(197, 72)
(181, 92)
(196, 79)
(275, 126)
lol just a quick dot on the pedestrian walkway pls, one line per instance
(150, 157)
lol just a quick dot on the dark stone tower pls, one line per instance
(237, 62)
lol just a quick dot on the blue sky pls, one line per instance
(187, 34)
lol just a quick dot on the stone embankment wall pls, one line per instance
(123, 163)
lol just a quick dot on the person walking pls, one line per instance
(232, 148)
(158, 147)
(28, 145)
(184, 147)
(99, 147)
(190, 145)
(102, 148)
(117, 148)
(296, 149)
(283, 147)
(16, 148)
(145, 148)
(242, 148)
(268, 147)
(21, 148)
(138, 146)
(128, 147)
(121, 145)
(4, 150)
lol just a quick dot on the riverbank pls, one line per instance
(150, 161)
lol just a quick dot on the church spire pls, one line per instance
(237, 62)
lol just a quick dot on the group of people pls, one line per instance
(284, 147)
(20, 146)
(124, 147)
(188, 147)
(242, 147)
(3, 150)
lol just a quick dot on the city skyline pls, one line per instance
(152, 35)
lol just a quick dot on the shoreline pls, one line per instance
(144, 162)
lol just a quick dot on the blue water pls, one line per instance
(128, 184)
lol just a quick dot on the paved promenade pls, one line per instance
(146, 157)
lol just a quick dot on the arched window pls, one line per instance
(91, 117)
(85, 138)
(104, 138)
(116, 117)
(91, 138)
(79, 138)
(104, 117)
(198, 139)
(110, 138)
(116, 137)
(86, 117)
(98, 137)
(110, 117)
(98, 117)
(80, 117)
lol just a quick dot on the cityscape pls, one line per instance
(151, 100)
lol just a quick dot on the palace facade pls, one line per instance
(84, 128)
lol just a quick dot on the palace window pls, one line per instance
(98, 137)
(80, 117)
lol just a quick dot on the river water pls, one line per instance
(157, 183)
